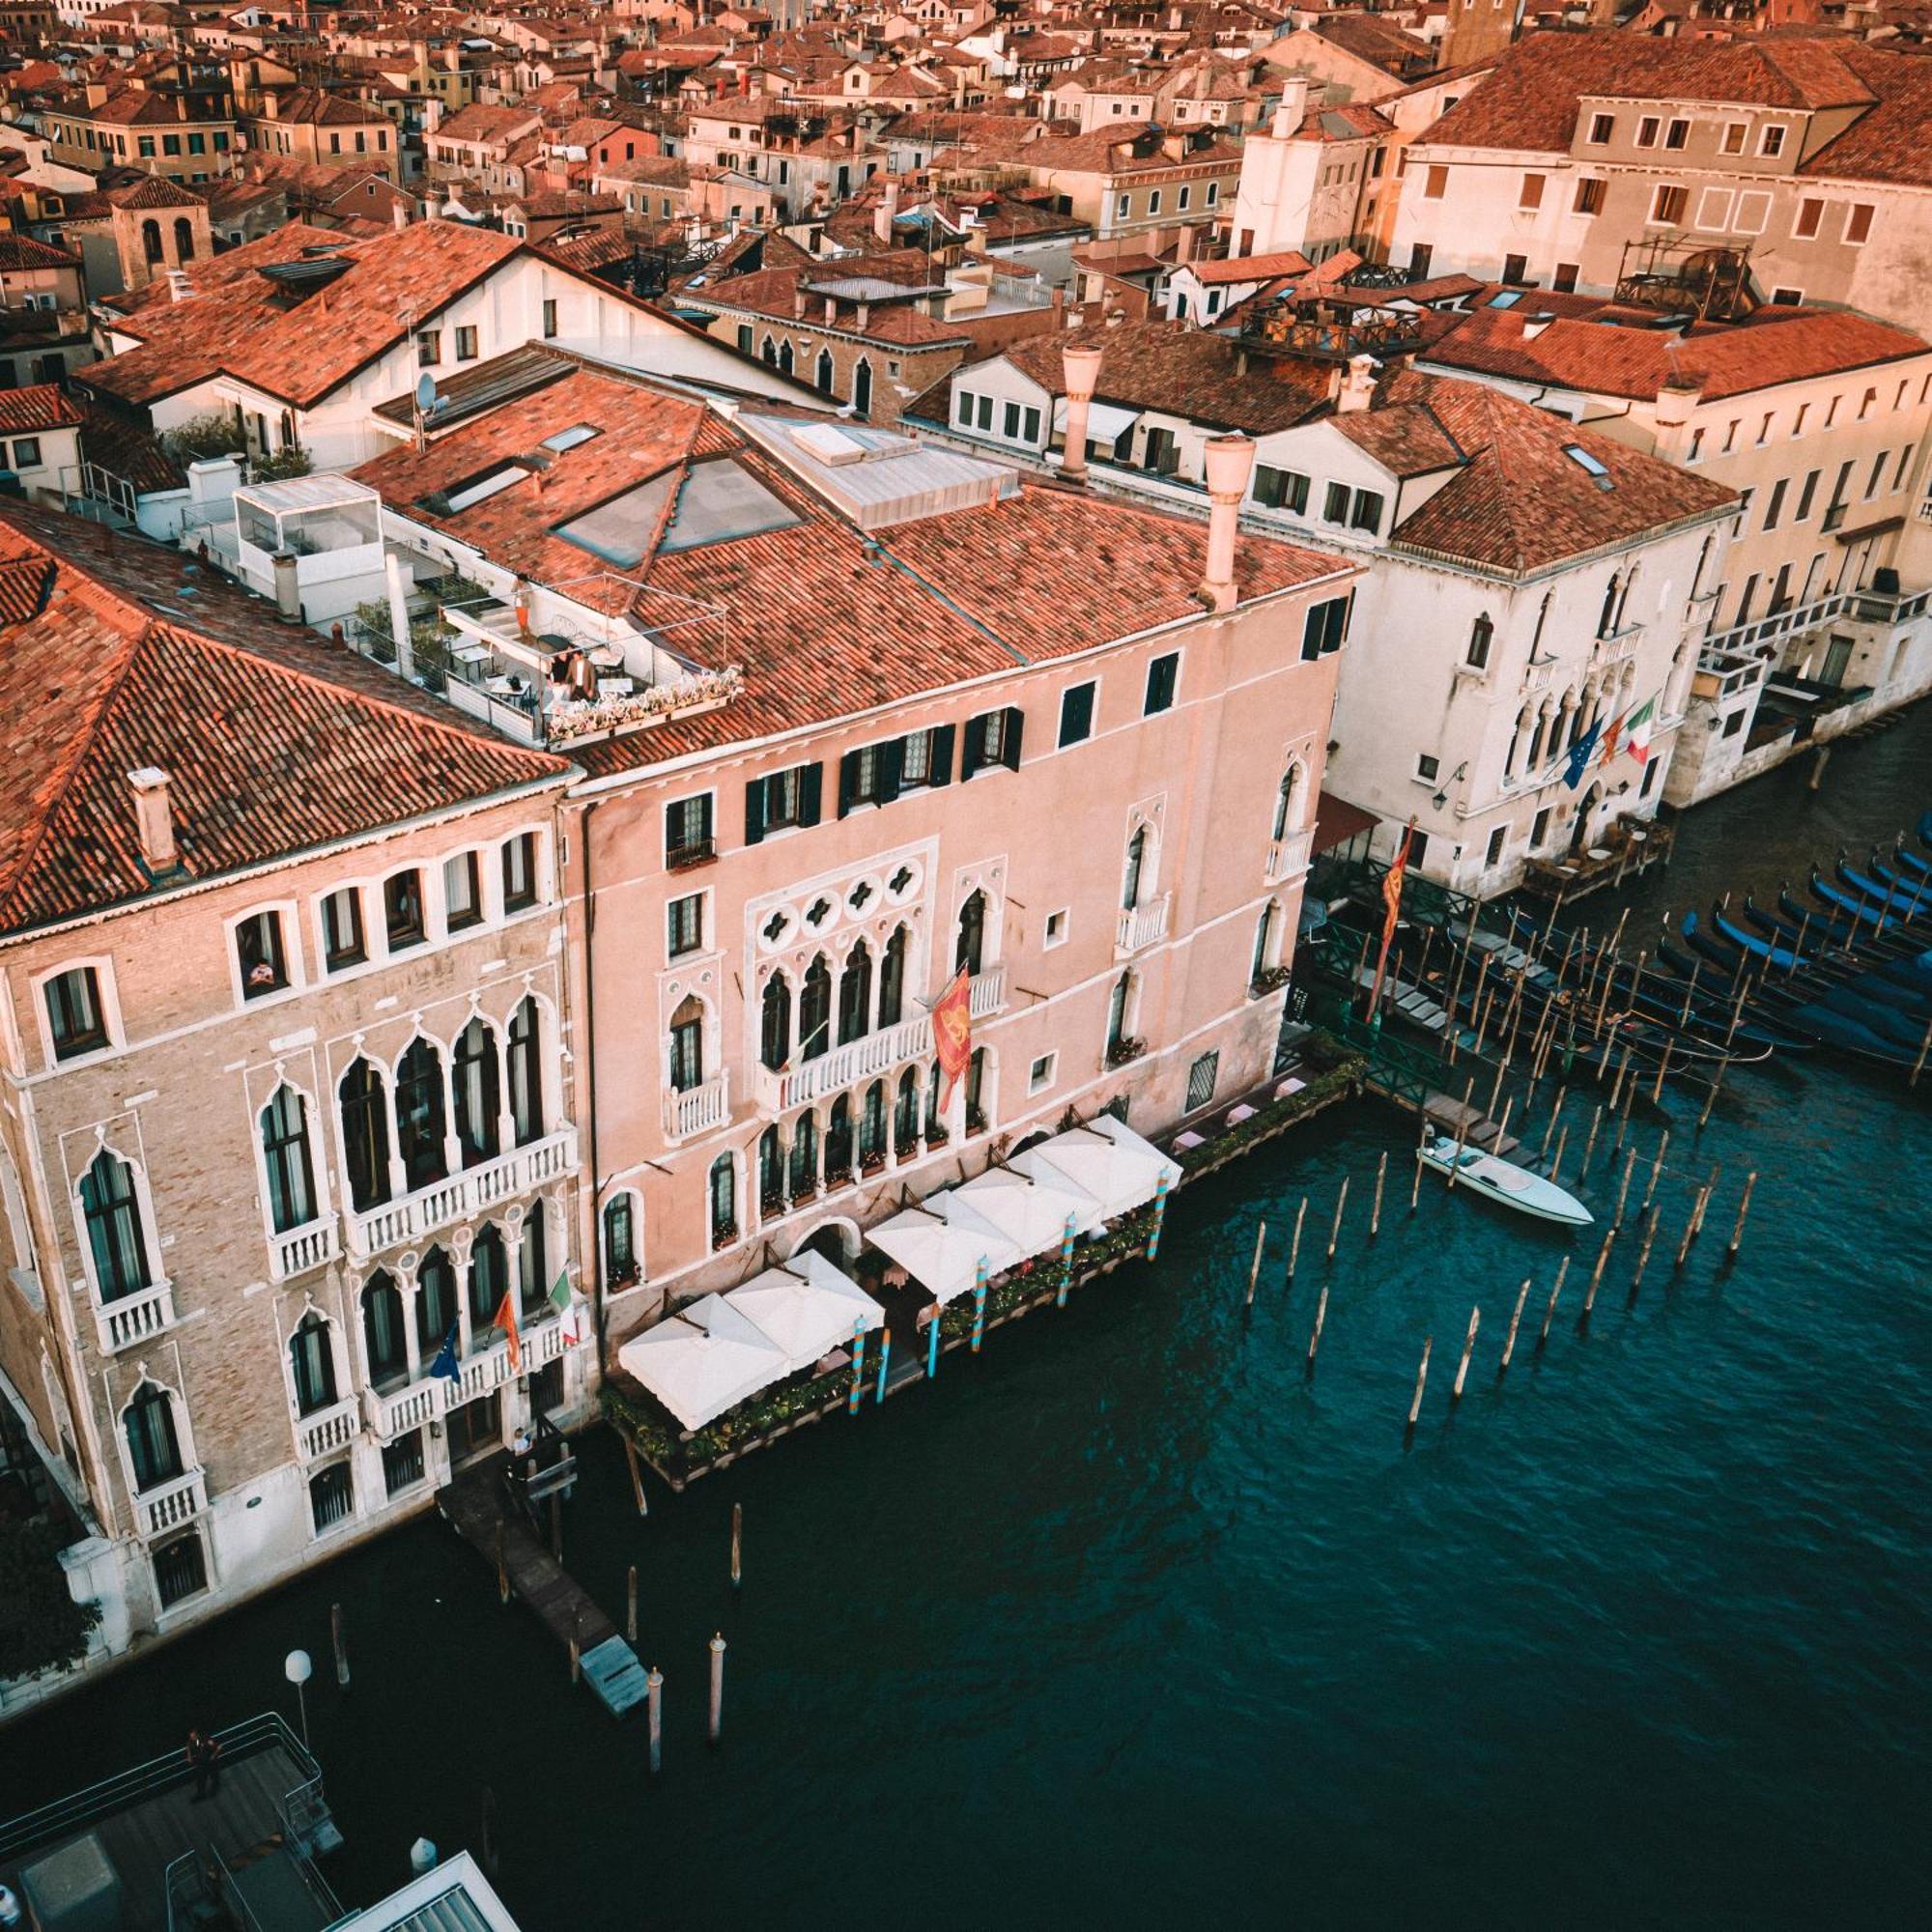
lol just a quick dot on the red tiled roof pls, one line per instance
(274, 741)
(1775, 345)
(41, 406)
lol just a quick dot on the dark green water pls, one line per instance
(1127, 1622)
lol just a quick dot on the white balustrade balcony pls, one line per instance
(393, 1413)
(171, 1504)
(327, 1429)
(867, 1058)
(1288, 855)
(475, 1190)
(300, 1249)
(697, 1110)
(133, 1318)
(1142, 926)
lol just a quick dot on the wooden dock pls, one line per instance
(1478, 1129)
(479, 1504)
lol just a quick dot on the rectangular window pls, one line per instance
(1734, 137)
(745, 338)
(688, 832)
(466, 345)
(1531, 194)
(197, 144)
(1564, 282)
(462, 892)
(1214, 193)
(1335, 504)
(1775, 505)
(1601, 127)
(1162, 675)
(781, 801)
(74, 1012)
(549, 319)
(342, 942)
(520, 872)
(993, 738)
(1540, 829)
(1647, 131)
(1858, 223)
(1771, 143)
(1280, 488)
(257, 951)
(1515, 269)
(180, 1570)
(403, 910)
(1810, 217)
(1494, 854)
(1589, 195)
(1677, 134)
(1877, 475)
(403, 1463)
(1427, 768)
(171, 144)
(1076, 714)
(1039, 1075)
(146, 145)
(962, 408)
(1666, 205)
(1367, 512)
(27, 452)
(684, 926)
(1182, 195)
(429, 349)
(1809, 489)
(1153, 201)
(1202, 1075)
(1030, 427)
(1122, 203)
(1324, 627)
(916, 763)
(1434, 184)
(985, 418)
(1714, 208)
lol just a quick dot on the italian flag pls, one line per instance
(1637, 739)
(566, 1309)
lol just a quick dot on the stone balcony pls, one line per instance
(697, 1110)
(310, 1246)
(1287, 856)
(872, 1055)
(389, 1414)
(1140, 926)
(131, 1318)
(327, 1429)
(443, 1203)
(171, 1504)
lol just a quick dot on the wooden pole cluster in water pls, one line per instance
(1321, 1316)
(1515, 1316)
(1376, 1211)
(1744, 1208)
(1421, 1376)
(1335, 1227)
(1549, 1312)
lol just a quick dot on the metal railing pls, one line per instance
(65, 1817)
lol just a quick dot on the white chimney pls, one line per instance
(154, 819)
(885, 215)
(288, 590)
(180, 288)
(399, 216)
(1358, 385)
(1081, 370)
(1230, 462)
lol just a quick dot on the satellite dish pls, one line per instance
(426, 392)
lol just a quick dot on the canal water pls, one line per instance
(1129, 1622)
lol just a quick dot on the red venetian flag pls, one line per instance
(953, 1030)
(506, 1321)
(1392, 908)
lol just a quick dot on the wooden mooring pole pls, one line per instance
(737, 1545)
(575, 1646)
(1550, 1311)
(631, 1605)
(1335, 1227)
(636, 1477)
(1421, 1378)
(1469, 1347)
(1515, 1316)
(1590, 1145)
(1294, 1243)
(1918, 1064)
(341, 1646)
(1655, 1168)
(1597, 1272)
(1556, 1165)
(1255, 1266)
(1623, 1191)
(1744, 1208)
(1376, 1211)
(654, 1685)
(1314, 1336)
(1644, 1253)
(502, 1567)
(716, 1725)
(1562, 1093)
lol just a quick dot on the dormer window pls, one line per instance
(260, 955)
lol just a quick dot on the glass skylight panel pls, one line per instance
(569, 439)
(721, 501)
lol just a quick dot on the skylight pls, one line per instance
(1589, 466)
(721, 501)
(569, 439)
(1506, 298)
(484, 487)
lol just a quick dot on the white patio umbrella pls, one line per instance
(942, 1255)
(1030, 1214)
(1121, 1175)
(806, 1316)
(1141, 1151)
(704, 1360)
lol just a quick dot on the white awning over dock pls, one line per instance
(1106, 1160)
(704, 1359)
(941, 1255)
(807, 1308)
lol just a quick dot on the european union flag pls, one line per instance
(445, 1358)
(1579, 756)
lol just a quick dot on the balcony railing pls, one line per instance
(393, 1413)
(172, 1504)
(1288, 855)
(697, 1110)
(133, 1318)
(303, 1248)
(1142, 926)
(329, 1429)
(875, 1054)
(1862, 606)
(397, 1411)
(464, 1194)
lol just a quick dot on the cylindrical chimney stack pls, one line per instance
(288, 589)
(1081, 371)
(1230, 462)
(885, 215)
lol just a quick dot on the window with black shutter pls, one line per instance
(993, 738)
(1162, 675)
(870, 775)
(1324, 627)
(1076, 714)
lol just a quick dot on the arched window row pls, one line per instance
(865, 994)
(438, 1114)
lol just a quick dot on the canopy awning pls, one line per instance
(1030, 1211)
(1106, 1160)
(942, 1255)
(704, 1360)
(1105, 423)
(808, 1308)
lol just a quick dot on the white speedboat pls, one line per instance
(1505, 1182)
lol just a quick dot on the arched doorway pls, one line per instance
(836, 1240)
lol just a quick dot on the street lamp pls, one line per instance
(297, 1669)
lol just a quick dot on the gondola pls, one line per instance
(1908, 908)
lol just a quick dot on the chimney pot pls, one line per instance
(154, 819)
(1230, 461)
(1080, 369)
(1358, 385)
